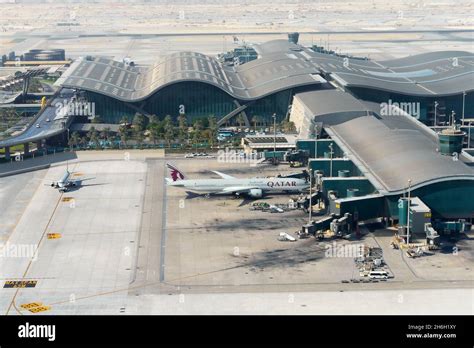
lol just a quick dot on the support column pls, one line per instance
(7, 153)
(26, 149)
(39, 147)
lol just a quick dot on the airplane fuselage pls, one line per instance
(265, 184)
(63, 183)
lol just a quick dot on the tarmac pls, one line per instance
(123, 243)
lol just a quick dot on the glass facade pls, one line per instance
(265, 108)
(109, 109)
(448, 200)
(195, 99)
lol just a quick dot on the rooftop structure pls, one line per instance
(282, 65)
(392, 151)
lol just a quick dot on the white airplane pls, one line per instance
(253, 187)
(64, 183)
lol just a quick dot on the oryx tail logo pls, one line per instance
(175, 173)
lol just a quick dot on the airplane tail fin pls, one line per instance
(175, 173)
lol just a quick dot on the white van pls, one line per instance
(378, 275)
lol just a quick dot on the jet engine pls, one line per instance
(256, 193)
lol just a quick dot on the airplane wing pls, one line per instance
(222, 175)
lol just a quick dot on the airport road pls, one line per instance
(342, 302)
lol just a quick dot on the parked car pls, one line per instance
(378, 275)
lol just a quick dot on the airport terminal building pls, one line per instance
(199, 86)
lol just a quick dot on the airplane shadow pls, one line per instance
(80, 185)
(245, 199)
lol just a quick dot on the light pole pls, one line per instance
(330, 162)
(274, 138)
(469, 124)
(436, 107)
(310, 208)
(463, 103)
(315, 138)
(408, 211)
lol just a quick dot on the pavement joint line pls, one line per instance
(139, 234)
(163, 228)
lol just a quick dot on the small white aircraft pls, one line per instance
(64, 183)
(227, 184)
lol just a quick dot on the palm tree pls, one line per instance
(83, 141)
(212, 129)
(139, 136)
(139, 122)
(153, 120)
(123, 130)
(256, 120)
(169, 129)
(93, 136)
(105, 134)
(154, 133)
(74, 140)
(197, 129)
(182, 128)
(240, 120)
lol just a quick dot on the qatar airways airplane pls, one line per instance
(227, 184)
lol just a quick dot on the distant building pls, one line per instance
(45, 55)
(267, 142)
(239, 55)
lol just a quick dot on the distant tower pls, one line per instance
(293, 37)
